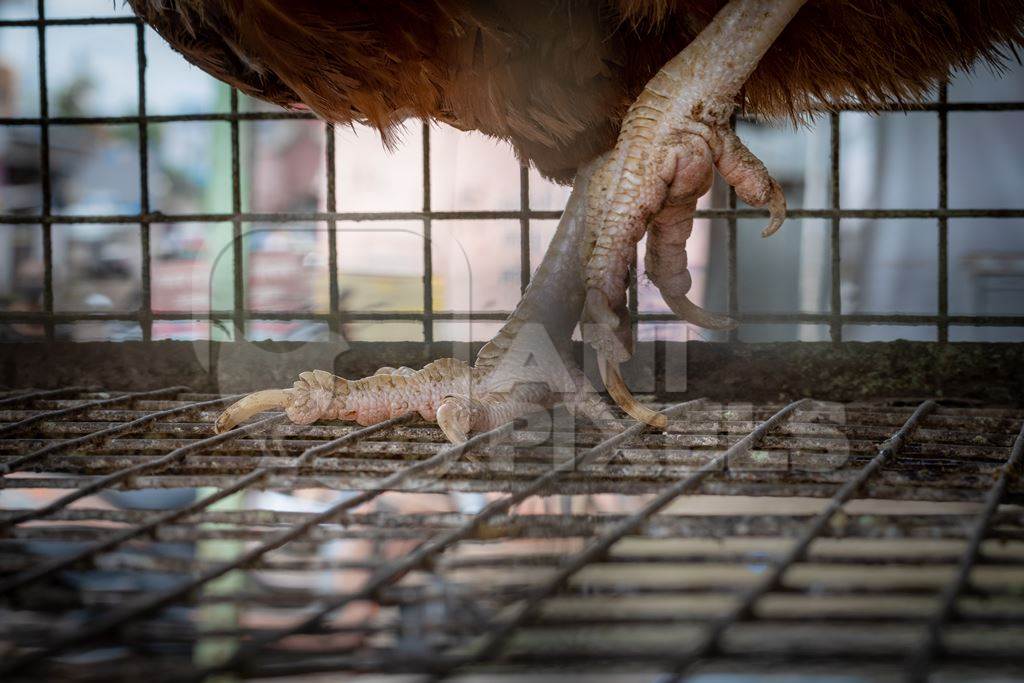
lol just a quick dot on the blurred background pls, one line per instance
(888, 161)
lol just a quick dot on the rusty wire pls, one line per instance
(961, 446)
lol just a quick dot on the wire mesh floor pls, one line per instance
(882, 539)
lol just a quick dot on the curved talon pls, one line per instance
(776, 209)
(618, 390)
(692, 313)
(254, 403)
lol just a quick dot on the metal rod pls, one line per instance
(334, 296)
(415, 525)
(147, 603)
(153, 465)
(427, 217)
(943, 222)
(361, 216)
(88, 405)
(310, 455)
(835, 242)
(932, 645)
(237, 244)
(710, 642)
(113, 430)
(732, 250)
(496, 639)
(392, 572)
(146, 295)
(44, 173)
(149, 526)
(30, 396)
(747, 318)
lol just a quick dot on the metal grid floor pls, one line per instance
(875, 538)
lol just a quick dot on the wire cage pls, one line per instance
(835, 317)
(763, 532)
(899, 570)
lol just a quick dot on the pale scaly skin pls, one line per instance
(672, 138)
(522, 370)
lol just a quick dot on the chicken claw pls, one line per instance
(673, 138)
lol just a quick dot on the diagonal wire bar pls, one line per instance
(710, 642)
(85, 407)
(310, 454)
(154, 523)
(156, 464)
(149, 526)
(392, 572)
(30, 396)
(494, 641)
(114, 430)
(147, 604)
(932, 645)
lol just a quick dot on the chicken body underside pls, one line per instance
(556, 77)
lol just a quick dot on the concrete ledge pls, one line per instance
(992, 373)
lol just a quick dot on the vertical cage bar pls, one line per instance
(44, 174)
(238, 287)
(524, 225)
(943, 225)
(428, 258)
(731, 268)
(836, 305)
(332, 230)
(146, 303)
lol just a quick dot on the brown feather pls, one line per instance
(555, 77)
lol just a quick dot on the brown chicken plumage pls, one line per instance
(555, 77)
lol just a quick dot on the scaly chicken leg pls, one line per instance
(526, 367)
(674, 135)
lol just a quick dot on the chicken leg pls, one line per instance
(526, 367)
(674, 135)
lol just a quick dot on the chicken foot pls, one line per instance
(526, 367)
(673, 137)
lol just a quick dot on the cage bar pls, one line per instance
(705, 450)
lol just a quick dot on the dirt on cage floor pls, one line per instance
(881, 539)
